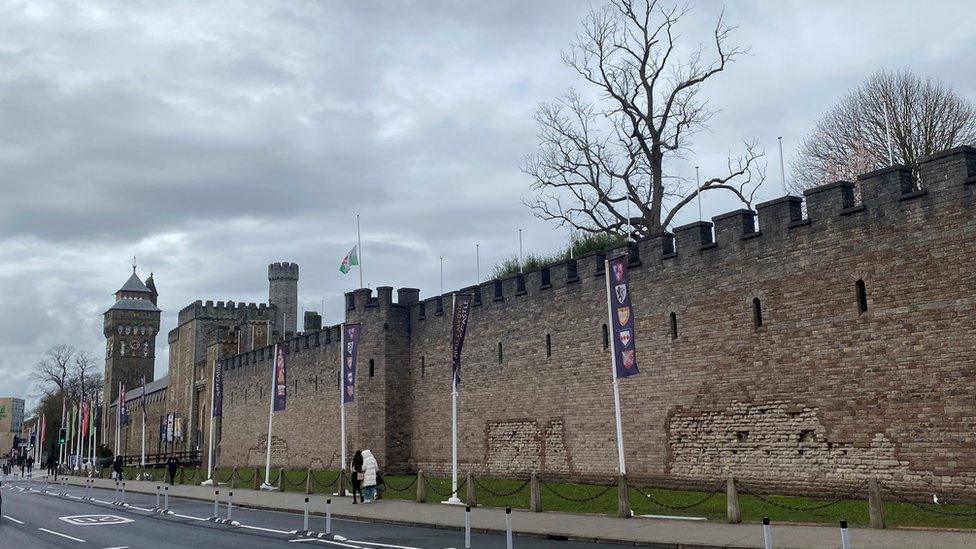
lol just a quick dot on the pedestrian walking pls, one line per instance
(21, 463)
(370, 471)
(52, 464)
(356, 474)
(30, 465)
(117, 466)
(171, 466)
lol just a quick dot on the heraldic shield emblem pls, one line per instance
(625, 338)
(629, 361)
(618, 272)
(623, 315)
(621, 291)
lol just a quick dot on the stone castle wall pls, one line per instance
(821, 393)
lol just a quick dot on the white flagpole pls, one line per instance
(118, 419)
(210, 447)
(342, 395)
(782, 166)
(359, 251)
(891, 156)
(613, 375)
(142, 457)
(81, 444)
(454, 499)
(267, 459)
(91, 450)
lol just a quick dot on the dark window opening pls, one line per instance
(372, 368)
(757, 312)
(606, 337)
(674, 326)
(862, 296)
(500, 357)
(548, 345)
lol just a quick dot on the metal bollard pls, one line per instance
(305, 518)
(166, 498)
(230, 504)
(328, 517)
(467, 527)
(115, 495)
(767, 534)
(216, 502)
(845, 540)
(157, 497)
(508, 527)
(123, 493)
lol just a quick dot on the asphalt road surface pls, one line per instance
(34, 515)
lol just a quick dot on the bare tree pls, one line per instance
(85, 379)
(920, 116)
(53, 372)
(599, 161)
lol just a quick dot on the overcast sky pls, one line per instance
(211, 138)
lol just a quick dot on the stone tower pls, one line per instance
(130, 327)
(283, 294)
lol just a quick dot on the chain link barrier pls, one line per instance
(606, 488)
(275, 479)
(481, 486)
(298, 484)
(320, 484)
(789, 507)
(247, 480)
(925, 508)
(216, 477)
(448, 493)
(660, 503)
(394, 488)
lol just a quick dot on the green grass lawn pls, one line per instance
(592, 499)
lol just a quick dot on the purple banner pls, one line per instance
(459, 326)
(621, 317)
(281, 379)
(218, 389)
(350, 352)
(162, 428)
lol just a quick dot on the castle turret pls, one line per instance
(283, 294)
(130, 329)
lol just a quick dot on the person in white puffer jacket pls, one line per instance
(370, 471)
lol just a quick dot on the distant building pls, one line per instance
(11, 420)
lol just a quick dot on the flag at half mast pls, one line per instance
(351, 260)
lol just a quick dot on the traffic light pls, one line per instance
(62, 435)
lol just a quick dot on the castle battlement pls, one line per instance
(283, 271)
(210, 310)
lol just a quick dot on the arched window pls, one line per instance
(674, 326)
(548, 345)
(757, 314)
(606, 337)
(500, 357)
(372, 368)
(862, 296)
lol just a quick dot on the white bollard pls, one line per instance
(230, 504)
(467, 527)
(845, 540)
(508, 527)
(328, 517)
(157, 497)
(166, 499)
(115, 495)
(767, 534)
(305, 518)
(216, 502)
(123, 493)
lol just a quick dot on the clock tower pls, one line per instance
(130, 326)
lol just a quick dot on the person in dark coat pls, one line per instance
(20, 463)
(172, 465)
(117, 467)
(356, 475)
(30, 465)
(52, 465)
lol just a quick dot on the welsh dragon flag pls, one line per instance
(351, 260)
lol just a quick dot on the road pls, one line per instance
(34, 515)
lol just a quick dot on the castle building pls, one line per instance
(807, 352)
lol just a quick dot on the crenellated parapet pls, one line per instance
(220, 310)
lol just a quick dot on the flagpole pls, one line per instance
(454, 499)
(213, 389)
(118, 419)
(359, 251)
(613, 375)
(142, 458)
(342, 396)
(267, 460)
(64, 406)
(81, 439)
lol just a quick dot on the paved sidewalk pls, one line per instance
(639, 531)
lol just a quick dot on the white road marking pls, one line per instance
(121, 547)
(373, 543)
(13, 519)
(79, 540)
(186, 516)
(272, 530)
